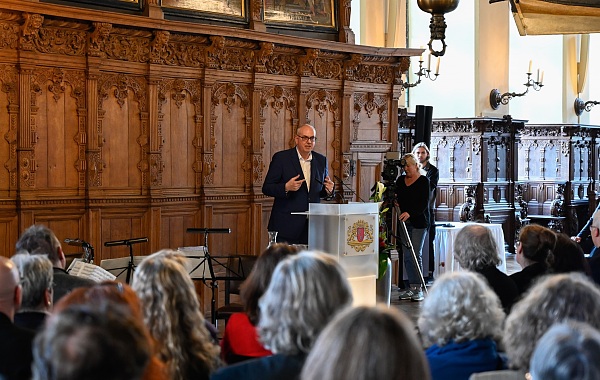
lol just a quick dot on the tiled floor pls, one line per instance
(412, 309)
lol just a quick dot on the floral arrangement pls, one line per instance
(385, 246)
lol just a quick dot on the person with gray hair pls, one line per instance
(305, 293)
(41, 240)
(554, 299)
(36, 281)
(460, 321)
(567, 351)
(358, 345)
(15, 342)
(475, 249)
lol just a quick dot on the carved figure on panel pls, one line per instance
(351, 65)
(9, 36)
(30, 31)
(323, 101)
(216, 53)
(307, 61)
(257, 10)
(158, 47)
(98, 38)
(265, 52)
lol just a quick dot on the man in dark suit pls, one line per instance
(433, 175)
(15, 342)
(40, 240)
(296, 177)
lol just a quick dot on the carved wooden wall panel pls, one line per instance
(231, 135)
(113, 129)
(8, 128)
(57, 104)
(179, 115)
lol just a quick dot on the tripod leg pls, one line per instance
(413, 255)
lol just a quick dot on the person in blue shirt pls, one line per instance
(460, 321)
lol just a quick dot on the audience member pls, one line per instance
(36, 282)
(534, 254)
(366, 343)
(92, 342)
(15, 342)
(460, 320)
(240, 339)
(594, 261)
(586, 233)
(475, 249)
(554, 299)
(569, 256)
(120, 294)
(40, 240)
(305, 293)
(567, 351)
(172, 314)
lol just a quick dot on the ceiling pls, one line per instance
(536, 17)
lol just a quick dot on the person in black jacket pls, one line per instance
(41, 240)
(475, 249)
(534, 254)
(412, 196)
(296, 177)
(15, 342)
(421, 151)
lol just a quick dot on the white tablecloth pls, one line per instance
(444, 246)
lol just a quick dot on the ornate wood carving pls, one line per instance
(9, 85)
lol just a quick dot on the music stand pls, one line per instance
(128, 242)
(208, 260)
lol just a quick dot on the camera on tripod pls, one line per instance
(391, 166)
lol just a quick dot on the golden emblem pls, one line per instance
(360, 235)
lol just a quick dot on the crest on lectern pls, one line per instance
(360, 238)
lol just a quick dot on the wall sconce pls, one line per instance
(424, 72)
(437, 25)
(496, 98)
(581, 106)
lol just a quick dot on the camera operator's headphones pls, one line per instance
(402, 162)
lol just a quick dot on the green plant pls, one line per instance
(385, 247)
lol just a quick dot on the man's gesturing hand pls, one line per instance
(294, 183)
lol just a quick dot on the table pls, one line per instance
(444, 246)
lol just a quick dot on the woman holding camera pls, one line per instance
(412, 196)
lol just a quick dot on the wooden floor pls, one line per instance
(412, 309)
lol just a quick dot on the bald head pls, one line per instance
(10, 292)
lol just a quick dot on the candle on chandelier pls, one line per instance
(437, 67)
(530, 64)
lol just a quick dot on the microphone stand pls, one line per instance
(129, 243)
(345, 186)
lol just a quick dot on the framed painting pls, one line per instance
(111, 4)
(228, 8)
(313, 13)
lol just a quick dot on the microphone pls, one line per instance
(348, 188)
(77, 243)
(125, 242)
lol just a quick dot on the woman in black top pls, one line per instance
(412, 194)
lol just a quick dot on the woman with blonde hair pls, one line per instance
(172, 314)
(412, 195)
